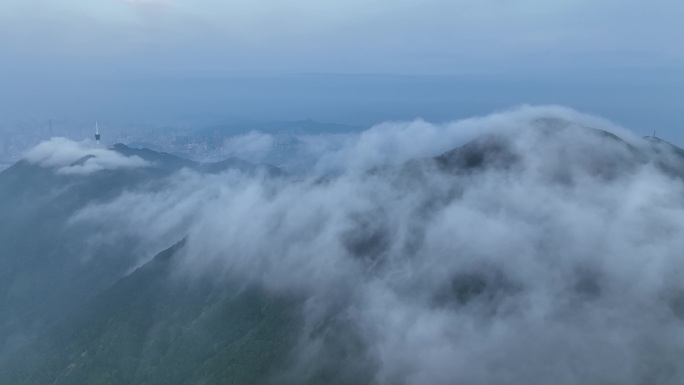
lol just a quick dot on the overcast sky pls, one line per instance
(379, 36)
(622, 43)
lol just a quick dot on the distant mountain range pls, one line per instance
(292, 128)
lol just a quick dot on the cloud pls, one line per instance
(148, 3)
(393, 143)
(79, 158)
(559, 258)
(252, 146)
(399, 37)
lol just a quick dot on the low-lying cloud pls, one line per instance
(252, 146)
(394, 142)
(79, 158)
(556, 258)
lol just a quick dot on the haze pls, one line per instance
(353, 192)
(351, 62)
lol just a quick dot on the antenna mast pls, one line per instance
(97, 133)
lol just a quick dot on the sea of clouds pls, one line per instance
(559, 263)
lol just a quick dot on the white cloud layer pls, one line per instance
(560, 261)
(252, 145)
(397, 142)
(79, 158)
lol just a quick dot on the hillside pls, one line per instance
(495, 262)
(153, 328)
(48, 264)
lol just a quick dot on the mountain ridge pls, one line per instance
(47, 265)
(156, 325)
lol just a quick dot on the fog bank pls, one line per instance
(543, 250)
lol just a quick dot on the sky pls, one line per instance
(283, 59)
(585, 267)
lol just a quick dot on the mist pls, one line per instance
(82, 158)
(543, 250)
(361, 192)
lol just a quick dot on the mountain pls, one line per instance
(152, 328)
(604, 153)
(172, 322)
(170, 163)
(48, 265)
(670, 157)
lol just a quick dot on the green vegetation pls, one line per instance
(50, 266)
(152, 328)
